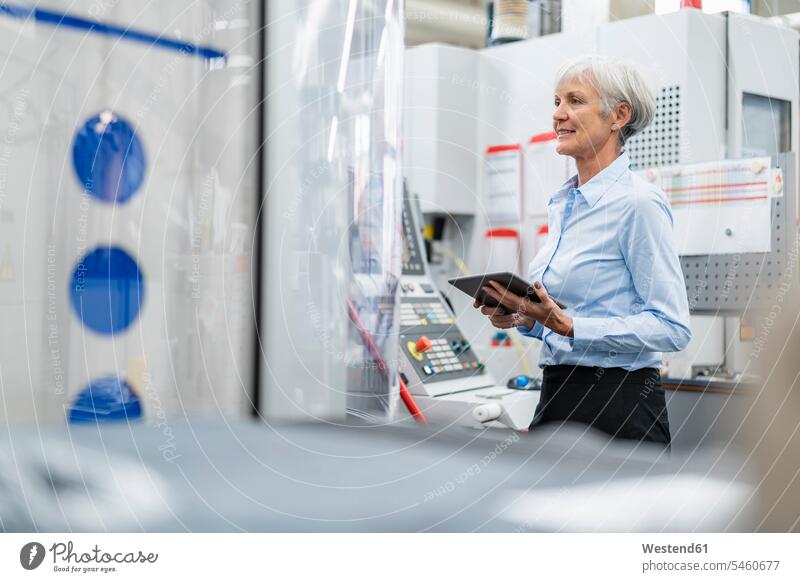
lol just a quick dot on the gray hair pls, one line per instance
(617, 82)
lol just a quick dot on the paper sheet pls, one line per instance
(720, 207)
(503, 184)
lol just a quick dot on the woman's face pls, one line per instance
(579, 122)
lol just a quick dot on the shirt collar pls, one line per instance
(594, 189)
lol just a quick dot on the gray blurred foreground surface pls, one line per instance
(216, 475)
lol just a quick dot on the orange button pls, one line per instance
(423, 344)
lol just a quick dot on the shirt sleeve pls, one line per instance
(660, 319)
(534, 332)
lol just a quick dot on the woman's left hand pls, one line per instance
(548, 313)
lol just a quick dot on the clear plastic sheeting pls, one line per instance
(128, 197)
(332, 209)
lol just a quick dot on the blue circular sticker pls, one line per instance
(105, 399)
(107, 290)
(108, 158)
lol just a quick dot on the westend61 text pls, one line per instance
(670, 549)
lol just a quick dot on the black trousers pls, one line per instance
(628, 405)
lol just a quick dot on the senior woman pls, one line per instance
(610, 258)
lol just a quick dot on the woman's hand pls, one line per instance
(502, 318)
(547, 312)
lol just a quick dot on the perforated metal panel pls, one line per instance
(740, 282)
(660, 143)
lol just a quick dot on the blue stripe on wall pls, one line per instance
(97, 27)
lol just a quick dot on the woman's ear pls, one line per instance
(622, 115)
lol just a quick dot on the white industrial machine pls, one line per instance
(438, 364)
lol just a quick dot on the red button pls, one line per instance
(423, 344)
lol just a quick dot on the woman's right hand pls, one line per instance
(501, 318)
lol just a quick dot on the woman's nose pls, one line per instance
(559, 114)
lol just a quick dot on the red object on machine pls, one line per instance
(411, 404)
(692, 4)
(423, 344)
(405, 394)
(501, 233)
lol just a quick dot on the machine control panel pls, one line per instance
(421, 313)
(436, 358)
(446, 357)
(411, 289)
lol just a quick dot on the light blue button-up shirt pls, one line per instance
(610, 257)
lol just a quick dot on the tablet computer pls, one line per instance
(471, 285)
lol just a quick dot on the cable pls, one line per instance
(462, 266)
(366, 338)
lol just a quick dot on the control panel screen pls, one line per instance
(766, 125)
(412, 253)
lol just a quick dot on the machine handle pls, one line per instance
(487, 412)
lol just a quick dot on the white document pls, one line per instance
(721, 207)
(503, 184)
